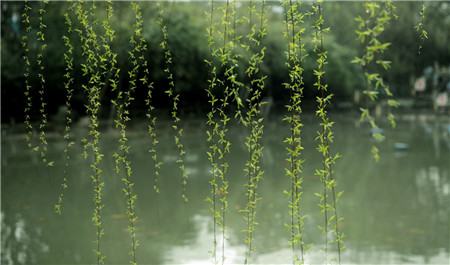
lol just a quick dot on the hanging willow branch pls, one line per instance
(150, 109)
(228, 86)
(218, 118)
(369, 31)
(295, 54)
(122, 103)
(27, 72)
(254, 121)
(68, 86)
(151, 123)
(325, 138)
(40, 35)
(212, 131)
(174, 96)
(92, 70)
(420, 29)
(229, 62)
(110, 70)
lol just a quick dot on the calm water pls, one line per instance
(396, 211)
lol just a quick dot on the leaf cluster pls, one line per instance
(420, 28)
(370, 28)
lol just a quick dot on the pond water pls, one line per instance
(396, 211)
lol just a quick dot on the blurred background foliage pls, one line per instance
(187, 26)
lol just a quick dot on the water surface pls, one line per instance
(396, 211)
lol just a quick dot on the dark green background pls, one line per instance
(187, 25)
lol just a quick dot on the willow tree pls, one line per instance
(101, 69)
(295, 54)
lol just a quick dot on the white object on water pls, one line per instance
(401, 146)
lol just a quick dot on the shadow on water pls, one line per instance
(396, 211)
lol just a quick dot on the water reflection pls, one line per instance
(20, 243)
(396, 211)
